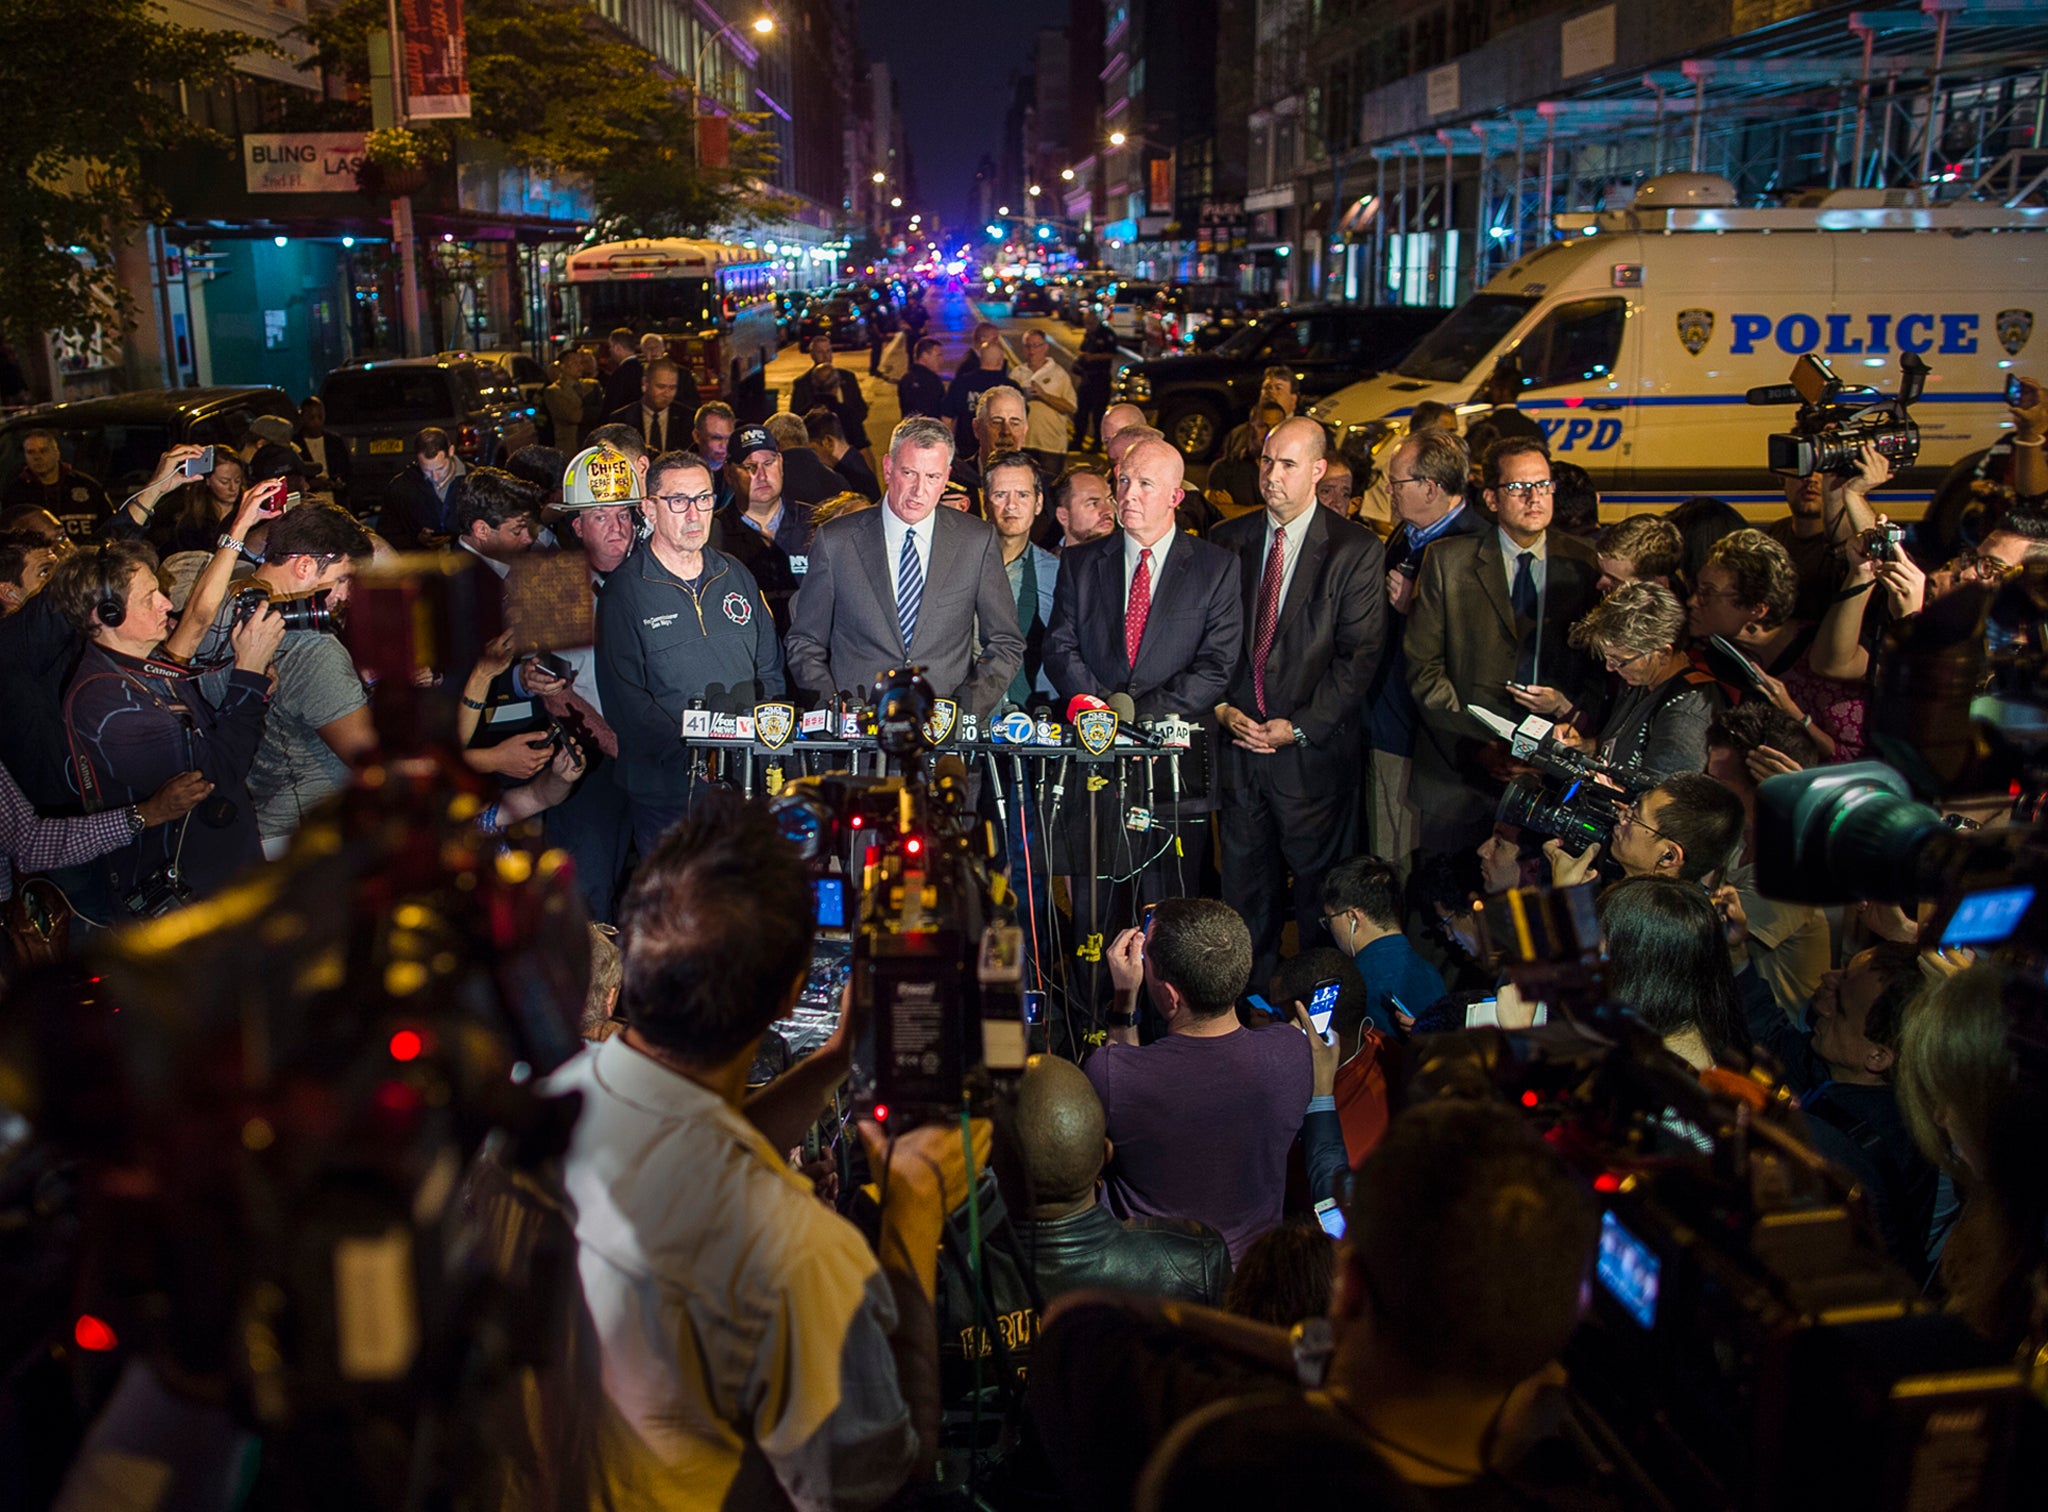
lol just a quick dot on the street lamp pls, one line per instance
(1034, 191)
(880, 177)
(762, 25)
(1067, 174)
(895, 202)
(1002, 209)
(1117, 139)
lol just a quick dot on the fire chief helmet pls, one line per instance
(597, 476)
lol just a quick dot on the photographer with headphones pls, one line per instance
(135, 718)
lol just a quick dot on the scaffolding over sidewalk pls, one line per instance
(1917, 106)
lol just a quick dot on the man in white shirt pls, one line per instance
(754, 1352)
(1049, 423)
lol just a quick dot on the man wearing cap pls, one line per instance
(679, 622)
(769, 535)
(420, 503)
(601, 499)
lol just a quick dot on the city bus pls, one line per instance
(712, 302)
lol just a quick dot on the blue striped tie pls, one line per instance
(909, 589)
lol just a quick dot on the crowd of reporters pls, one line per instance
(753, 1343)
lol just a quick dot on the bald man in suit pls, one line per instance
(1154, 613)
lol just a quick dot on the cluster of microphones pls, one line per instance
(1092, 724)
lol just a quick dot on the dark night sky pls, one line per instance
(952, 63)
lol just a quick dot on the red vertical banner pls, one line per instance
(714, 141)
(1159, 201)
(436, 59)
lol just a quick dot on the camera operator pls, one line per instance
(1226, 1166)
(1685, 827)
(136, 719)
(755, 1352)
(1842, 1071)
(1974, 1113)
(1658, 724)
(1458, 1284)
(1827, 513)
(319, 722)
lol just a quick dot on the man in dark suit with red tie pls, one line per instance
(1153, 613)
(1315, 604)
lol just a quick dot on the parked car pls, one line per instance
(1196, 398)
(378, 407)
(789, 314)
(1178, 311)
(1124, 304)
(117, 438)
(527, 375)
(1031, 297)
(838, 317)
(1077, 293)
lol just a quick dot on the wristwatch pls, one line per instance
(1300, 737)
(227, 542)
(136, 823)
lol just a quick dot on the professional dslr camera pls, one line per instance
(939, 986)
(1836, 419)
(310, 611)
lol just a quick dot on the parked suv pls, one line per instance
(378, 407)
(1179, 310)
(117, 438)
(1198, 397)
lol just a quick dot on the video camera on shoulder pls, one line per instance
(1837, 419)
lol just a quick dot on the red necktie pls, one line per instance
(1137, 606)
(1269, 615)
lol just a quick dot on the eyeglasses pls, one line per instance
(1524, 490)
(1607, 659)
(1631, 814)
(1976, 567)
(1394, 482)
(1328, 919)
(677, 503)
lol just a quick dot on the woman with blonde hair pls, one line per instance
(1656, 722)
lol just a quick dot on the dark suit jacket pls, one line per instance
(860, 477)
(623, 387)
(808, 478)
(1330, 635)
(849, 404)
(676, 434)
(1461, 646)
(1194, 631)
(842, 622)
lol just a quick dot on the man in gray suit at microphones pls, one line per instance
(908, 584)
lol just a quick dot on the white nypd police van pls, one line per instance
(1638, 333)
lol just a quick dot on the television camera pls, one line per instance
(938, 968)
(1571, 795)
(1836, 419)
(1750, 1343)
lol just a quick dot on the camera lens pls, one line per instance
(1577, 818)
